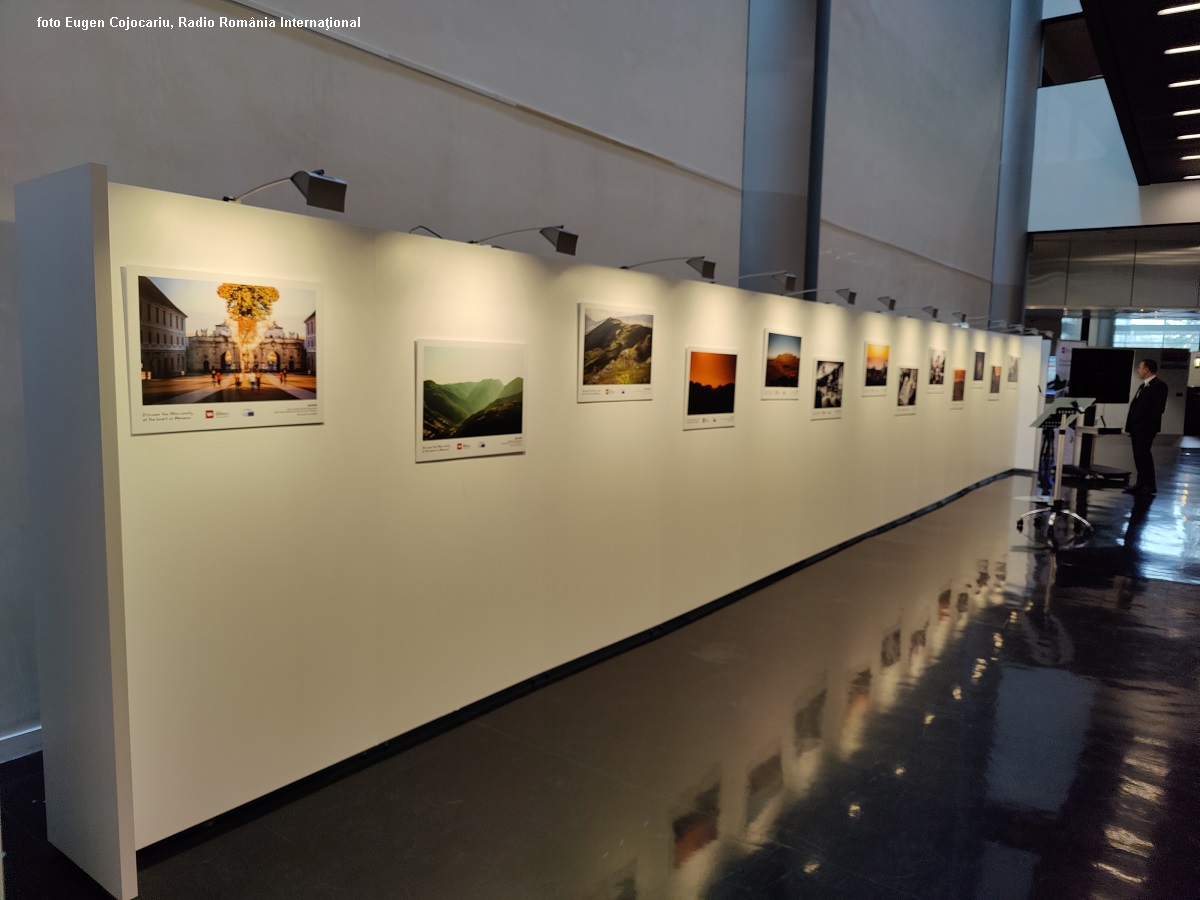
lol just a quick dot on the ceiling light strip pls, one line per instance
(1191, 48)
(1190, 177)
(1192, 83)
(1187, 112)
(1187, 137)
(1186, 7)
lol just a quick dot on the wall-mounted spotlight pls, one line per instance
(564, 241)
(706, 267)
(783, 276)
(930, 311)
(888, 302)
(319, 190)
(845, 293)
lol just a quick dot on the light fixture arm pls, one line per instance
(706, 267)
(564, 241)
(652, 261)
(262, 187)
(426, 229)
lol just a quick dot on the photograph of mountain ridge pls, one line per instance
(470, 399)
(472, 408)
(616, 347)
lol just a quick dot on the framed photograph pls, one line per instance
(906, 391)
(1013, 371)
(980, 369)
(937, 370)
(711, 386)
(210, 351)
(994, 386)
(829, 382)
(614, 354)
(958, 389)
(875, 369)
(781, 366)
(470, 399)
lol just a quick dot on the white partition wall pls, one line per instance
(294, 595)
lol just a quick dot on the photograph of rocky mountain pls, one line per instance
(994, 387)
(470, 398)
(979, 364)
(960, 384)
(615, 347)
(781, 366)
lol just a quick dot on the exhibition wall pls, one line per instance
(294, 595)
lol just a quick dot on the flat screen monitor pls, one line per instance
(1101, 373)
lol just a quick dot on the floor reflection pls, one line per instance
(946, 710)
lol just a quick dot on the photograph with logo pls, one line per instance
(828, 388)
(711, 388)
(906, 391)
(781, 366)
(470, 399)
(959, 389)
(937, 370)
(875, 369)
(210, 352)
(614, 354)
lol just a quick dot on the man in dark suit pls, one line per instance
(1143, 423)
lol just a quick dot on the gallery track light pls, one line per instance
(888, 303)
(564, 241)
(319, 190)
(783, 276)
(706, 267)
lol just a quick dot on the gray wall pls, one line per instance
(912, 153)
(779, 85)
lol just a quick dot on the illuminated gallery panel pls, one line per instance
(470, 399)
(215, 351)
(615, 359)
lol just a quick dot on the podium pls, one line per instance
(1061, 415)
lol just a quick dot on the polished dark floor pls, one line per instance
(947, 710)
